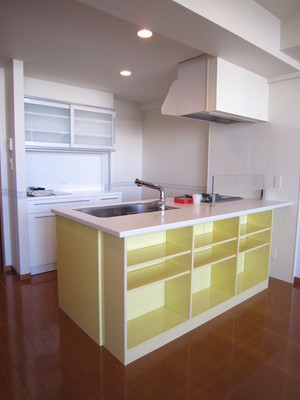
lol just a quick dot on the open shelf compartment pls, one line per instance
(252, 242)
(253, 268)
(154, 248)
(215, 254)
(255, 223)
(212, 285)
(168, 269)
(215, 233)
(154, 309)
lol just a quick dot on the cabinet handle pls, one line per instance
(110, 198)
(45, 216)
(61, 202)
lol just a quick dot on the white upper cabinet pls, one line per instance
(56, 125)
(46, 123)
(93, 128)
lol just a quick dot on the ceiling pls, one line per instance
(74, 43)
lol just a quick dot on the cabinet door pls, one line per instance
(42, 239)
(93, 128)
(46, 123)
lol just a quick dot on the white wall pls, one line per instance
(174, 153)
(67, 93)
(273, 149)
(3, 167)
(283, 159)
(297, 249)
(127, 160)
(236, 149)
(15, 170)
(66, 172)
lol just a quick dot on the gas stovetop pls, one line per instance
(207, 197)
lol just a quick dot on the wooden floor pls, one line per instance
(251, 352)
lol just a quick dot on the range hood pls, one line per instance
(212, 89)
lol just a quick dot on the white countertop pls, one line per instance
(184, 215)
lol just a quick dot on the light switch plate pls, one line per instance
(273, 254)
(277, 182)
(10, 144)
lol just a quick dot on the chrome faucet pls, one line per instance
(161, 201)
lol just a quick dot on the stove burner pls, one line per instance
(207, 197)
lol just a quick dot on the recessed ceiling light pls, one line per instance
(144, 33)
(125, 73)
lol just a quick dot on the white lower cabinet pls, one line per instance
(42, 227)
(42, 242)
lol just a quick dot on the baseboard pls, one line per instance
(40, 269)
(24, 277)
(296, 280)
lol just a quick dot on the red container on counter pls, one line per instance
(186, 199)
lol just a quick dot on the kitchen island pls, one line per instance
(134, 283)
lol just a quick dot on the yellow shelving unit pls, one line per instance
(146, 290)
(158, 283)
(254, 250)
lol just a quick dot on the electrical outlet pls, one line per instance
(273, 254)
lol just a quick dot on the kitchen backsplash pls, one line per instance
(61, 171)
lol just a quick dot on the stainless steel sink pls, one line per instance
(123, 209)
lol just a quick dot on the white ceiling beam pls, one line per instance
(290, 36)
(246, 19)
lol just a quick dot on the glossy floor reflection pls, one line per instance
(251, 352)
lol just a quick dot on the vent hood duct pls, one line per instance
(212, 89)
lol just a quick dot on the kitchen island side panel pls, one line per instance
(79, 275)
(114, 299)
